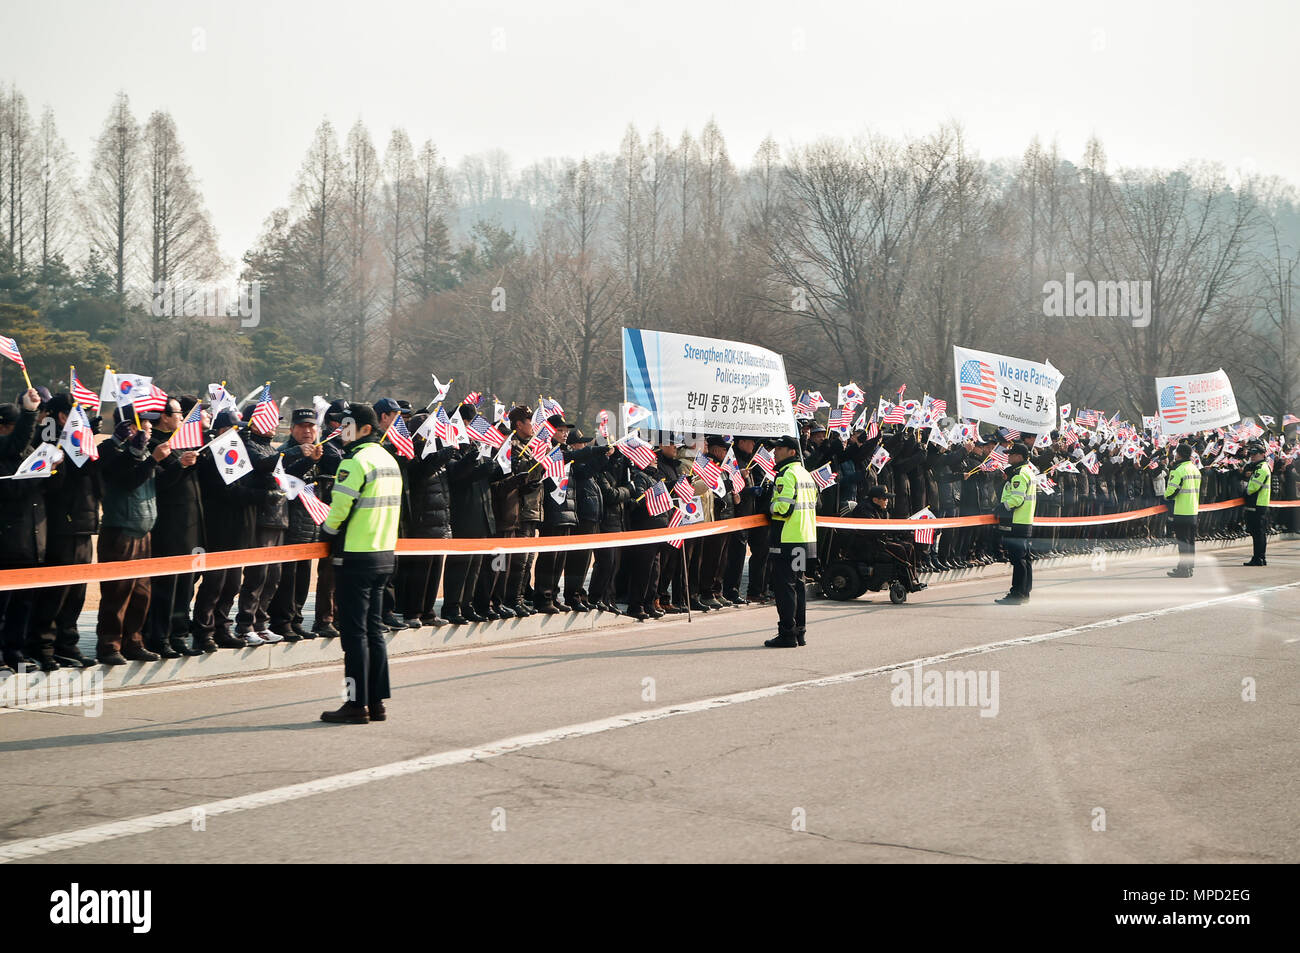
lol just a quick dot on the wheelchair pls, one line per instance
(858, 565)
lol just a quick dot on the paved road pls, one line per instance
(569, 746)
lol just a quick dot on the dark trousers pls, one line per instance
(519, 564)
(290, 595)
(642, 576)
(458, 583)
(672, 571)
(756, 540)
(169, 607)
(15, 617)
(1257, 526)
(55, 609)
(713, 558)
(259, 586)
(1020, 551)
(604, 573)
(361, 630)
(1185, 533)
(788, 589)
(417, 584)
(546, 584)
(123, 603)
(324, 592)
(577, 562)
(217, 592)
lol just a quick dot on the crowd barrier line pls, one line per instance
(40, 577)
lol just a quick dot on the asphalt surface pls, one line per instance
(1170, 737)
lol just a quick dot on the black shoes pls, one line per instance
(783, 642)
(325, 630)
(349, 714)
(225, 640)
(1179, 573)
(378, 712)
(455, 618)
(178, 645)
(549, 608)
(138, 653)
(288, 635)
(1012, 599)
(393, 622)
(164, 650)
(297, 629)
(1256, 562)
(112, 658)
(73, 659)
(577, 605)
(433, 619)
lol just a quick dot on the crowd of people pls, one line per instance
(142, 497)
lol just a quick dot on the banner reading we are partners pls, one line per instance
(696, 385)
(1006, 391)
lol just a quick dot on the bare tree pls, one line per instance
(183, 243)
(113, 190)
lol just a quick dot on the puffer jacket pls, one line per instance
(302, 528)
(616, 494)
(23, 524)
(431, 494)
(272, 506)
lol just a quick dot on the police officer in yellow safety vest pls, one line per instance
(1184, 488)
(362, 530)
(793, 542)
(1016, 521)
(1259, 494)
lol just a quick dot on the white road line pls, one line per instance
(38, 846)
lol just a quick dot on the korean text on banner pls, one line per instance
(1195, 402)
(1006, 391)
(698, 385)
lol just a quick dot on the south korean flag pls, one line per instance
(230, 455)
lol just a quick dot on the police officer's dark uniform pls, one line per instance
(1259, 494)
(793, 542)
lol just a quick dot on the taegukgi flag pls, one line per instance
(1195, 402)
(230, 455)
(1008, 391)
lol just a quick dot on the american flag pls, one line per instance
(541, 440)
(83, 394)
(1290, 419)
(1087, 418)
(190, 433)
(996, 460)
(1070, 437)
(154, 401)
(637, 450)
(923, 535)
(792, 396)
(676, 520)
(602, 424)
(843, 418)
(804, 405)
(707, 469)
(266, 416)
(484, 432)
(472, 398)
(9, 348)
(658, 500)
(442, 425)
(400, 437)
(683, 489)
(315, 507)
(553, 464)
(823, 477)
(895, 415)
(765, 461)
(901, 390)
(817, 399)
(539, 416)
(938, 407)
(1011, 433)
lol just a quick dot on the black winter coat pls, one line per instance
(471, 496)
(229, 510)
(22, 502)
(179, 529)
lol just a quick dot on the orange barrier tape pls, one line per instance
(45, 576)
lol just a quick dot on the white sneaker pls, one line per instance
(266, 635)
(253, 638)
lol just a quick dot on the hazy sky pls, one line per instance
(1159, 83)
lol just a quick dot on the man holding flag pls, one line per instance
(22, 522)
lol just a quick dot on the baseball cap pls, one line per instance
(304, 415)
(386, 405)
(127, 412)
(790, 443)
